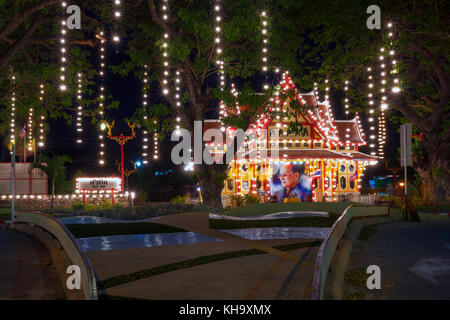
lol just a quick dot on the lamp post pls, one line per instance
(121, 139)
(127, 172)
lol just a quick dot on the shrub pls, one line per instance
(179, 199)
(245, 200)
(78, 205)
(142, 211)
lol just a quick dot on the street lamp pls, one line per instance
(132, 198)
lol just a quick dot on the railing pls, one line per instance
(71, 247)
(329, 244)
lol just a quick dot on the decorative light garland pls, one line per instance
(155, 144)
(178, 97)
(346, 101)
(219, 51)
(144, 107)
(62, 77)
(372, 134)
(42, 118)
(166, 72)
(101, 136)
(117, 15)
(13, 114)
(79, 112)
(30, 130)
(264, 54)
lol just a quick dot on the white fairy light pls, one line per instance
(144, 107)
(62, 84)
(79, 112)
(346, 100)
(166, 72)
(264, 55)
(41, 118)
(217, 40)
(101, 98)
(13, 113)
(371, 119)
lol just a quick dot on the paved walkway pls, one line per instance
(414, 258)
(26, 269)
(274, 275)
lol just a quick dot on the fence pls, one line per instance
(71, 247)
(330, 243)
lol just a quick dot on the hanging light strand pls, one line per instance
(144, 107)
(346, 99)
(218, 44)
(63, 45)
(178, 94)
(101, 98)
(371, 117)
(79, 111)
(30, 129)
(264, 49)
(41, 118)
(13, 114)
(165, 47)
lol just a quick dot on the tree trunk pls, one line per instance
(434, 176)
(211, 179)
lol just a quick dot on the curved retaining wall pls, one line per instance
(330, 244)
(70, 246)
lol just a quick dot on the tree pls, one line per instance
(55, 169)
(30, 51)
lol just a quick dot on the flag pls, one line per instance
(315, 174)
(23, 132)
(354, 176)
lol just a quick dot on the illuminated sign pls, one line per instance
(107, 183)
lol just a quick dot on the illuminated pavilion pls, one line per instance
(327, 150)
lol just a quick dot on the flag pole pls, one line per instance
(13, 164)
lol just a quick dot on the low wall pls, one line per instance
(332, 243)
(69, 245)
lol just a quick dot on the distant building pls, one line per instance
(28, 181)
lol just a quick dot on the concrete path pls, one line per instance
(414, 258)
(274, 275)
(26, 269)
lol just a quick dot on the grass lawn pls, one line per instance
(221, 224)
(111, 229)
(260, 209)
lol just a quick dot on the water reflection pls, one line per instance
(280, 233)
(141, 241)
(98, 220)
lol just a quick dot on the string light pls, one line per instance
(155, 144)
(144, 107)
(219, 50)
(101, 98)
(346, 100)
(62, 77)
(371, 118)
(13, 114)
(42, 118)
(264, 54)
(30, 130)
(117, 15)
(178, 98)
(165, 46)
(79, 112)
